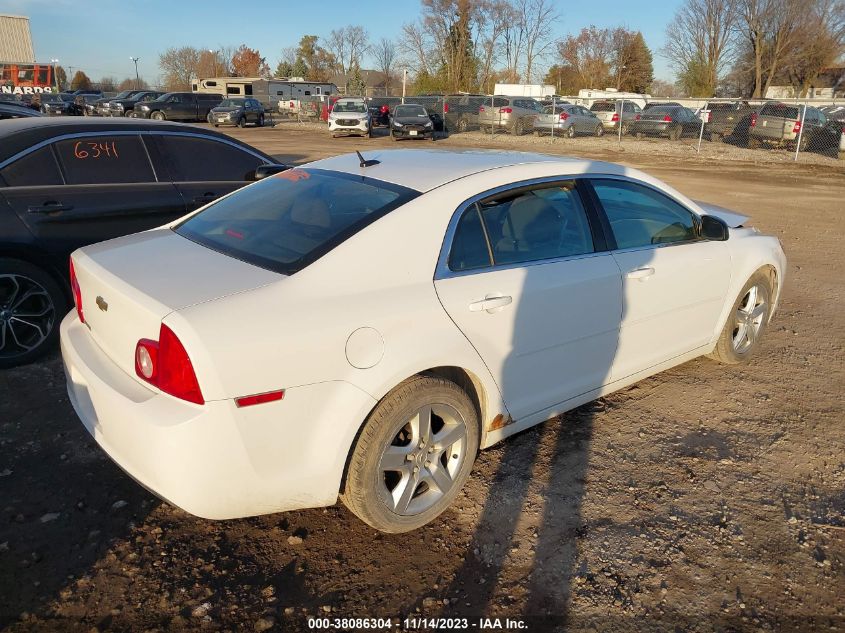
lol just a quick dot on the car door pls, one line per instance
(528, 281)
(674, 283)
(88, 188)
(203, 168)
(585, 120)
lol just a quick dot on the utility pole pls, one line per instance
(137, 78)
(404, 80)
(55, 77)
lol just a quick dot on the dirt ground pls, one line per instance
(707, 498)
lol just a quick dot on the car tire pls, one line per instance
(753, 143)
(47, 303)
(624, 129)
(260, 122)
(463, 125)
(747, 321)
(519, 128)
(158, 115)
(599, 131)
(427, 428)
(242, 122)
(570, 131)
(675, 134)
(638, 136)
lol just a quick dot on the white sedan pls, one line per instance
(362, 328)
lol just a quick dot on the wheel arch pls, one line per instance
(40, 260)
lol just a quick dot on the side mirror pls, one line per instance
(713, 228)
(262, 171)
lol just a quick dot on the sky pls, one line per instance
(99, 38)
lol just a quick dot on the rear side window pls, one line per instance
(104, 160)
(192, 159)
(469, 246)
(640, 216)
(286, 221)
(37, 168)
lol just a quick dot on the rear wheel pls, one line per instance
(639, 135)
(675, 134)
(413, 455)
(599, 131)
(570, 131)
(624, 129)
(31, 307)
(519, 127)
(463, 125)
(753, 143)
(747, 321)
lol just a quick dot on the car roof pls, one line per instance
(426, 169)
(19, 134)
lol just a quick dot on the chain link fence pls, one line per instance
(786, 129)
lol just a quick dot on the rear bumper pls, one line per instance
(215, 460)
(641, 127)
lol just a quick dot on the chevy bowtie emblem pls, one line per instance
(101, 303)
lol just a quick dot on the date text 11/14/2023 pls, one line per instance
(418, 624)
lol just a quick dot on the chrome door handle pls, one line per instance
(640, 273)
(490, 303)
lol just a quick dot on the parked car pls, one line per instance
(608, 112)
(362, 330)
(57, 104)
(126, 106)
(512, 114)
(237, 111)
(10, 110)
(567, 120)
(411, 121)
(89, 104)
(89, 91)
(69, 182)
(179, 106)
(726, 117)
(462, 111)
(104, 104)
(780, 124)
(673, 122)
(654, 104)
(380, 108)
(350, 115)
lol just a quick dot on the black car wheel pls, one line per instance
(31, 307)
(675, 133)
(260, 120)
(242, 121)
(519, 128)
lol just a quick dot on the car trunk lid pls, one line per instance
(130, 284)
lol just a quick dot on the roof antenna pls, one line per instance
(366, 163)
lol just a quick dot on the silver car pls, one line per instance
(512, 114)
(567, 120)
(608, 112)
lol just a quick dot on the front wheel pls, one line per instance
(746, 322)
(242, 122)
(31, 307)
(158, 115)
(413, 455)
(260, 120)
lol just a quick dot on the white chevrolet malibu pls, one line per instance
(362, 328)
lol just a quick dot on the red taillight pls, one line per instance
(260, 398)
(563, 116)
(667, 119)
(445, 108)
(77, 292)
(636, 117)
(708, 116)
(615, 117)
(166, 365)
(481, 109)
(385, 109)
(797, 127)
(505, 110)
(753, 120)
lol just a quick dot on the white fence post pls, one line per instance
(621, 112)
(554, 113)
(705, 114)
(800, 132)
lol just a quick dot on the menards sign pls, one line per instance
(24, 90)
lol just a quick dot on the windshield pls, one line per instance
(289, 220)
(51, 98)
(350, 106)
(122, 95)
(231, 103)
(409, 110)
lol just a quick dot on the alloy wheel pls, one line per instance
(421, 463)
(749, 319)
(27, 315)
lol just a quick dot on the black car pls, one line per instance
(57, 104)
(9, 110)
(125, 106)
(461, 111)
(179, 106)
(65, 183)
(671, 121)
(411, 121)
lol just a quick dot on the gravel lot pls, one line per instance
(707, 498)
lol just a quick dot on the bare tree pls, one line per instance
(336, 45)
(700, 42)
(820, 42)
(770, 29)
(416, 47)
(537, 18)
(590, 55)
(385, 55)
(492, 19)
(358, 42)
(179, 67)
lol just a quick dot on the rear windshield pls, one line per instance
(289, 220)
(780, 110)
(603, 106)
